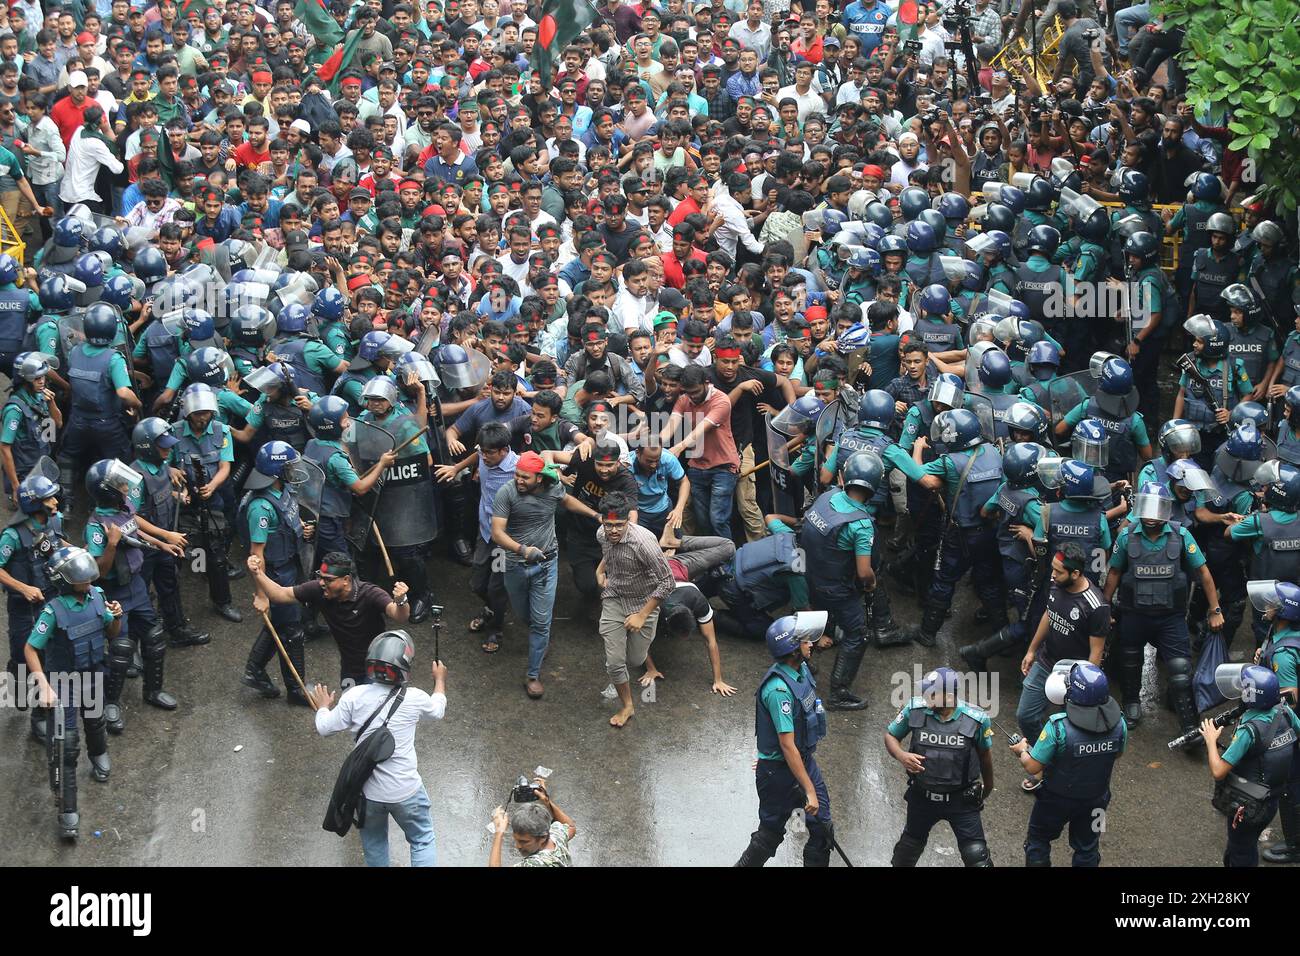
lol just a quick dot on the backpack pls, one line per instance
(347, 806)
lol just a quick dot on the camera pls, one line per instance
(959, 16)
(523, 791)
(435, 612)
(912, 46)
(930, 116)
(1091, 35)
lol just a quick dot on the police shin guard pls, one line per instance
(975, 853)
(97, 748)
(295, 647)
(847, 662)
(1180, 693)
(821, 838)
(68, 819)
(762, 847)
(884, 629)
(977, 655)
(1130, 681)
(255, 668)
(927, 635)
(121, 650)
(907, 851)
(154, 651)
(1288, 851)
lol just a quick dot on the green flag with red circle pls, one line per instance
(562, 22)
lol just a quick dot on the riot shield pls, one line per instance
(403, 502)
(1063, 394)
(309, 503)
(429, 337)
(45, 467)
(974, 354)
(983, 408)
(366, 442)
(71, 332)
(830, 425)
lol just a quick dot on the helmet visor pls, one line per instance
(122, 478)
(810, 625)
(1182, 440)
(78, 568)
(1152, 507)
(1199, 327)
(265, 380)
(1263, 595)
(949, 393)
(981, 243)
(1089, 451)
(198, 400)
(1097, 361)
(396, 346)
(471, 374)
(1267, 473)
(1195, 479)
(420, 366)
(1048, 470)
(1227, 678)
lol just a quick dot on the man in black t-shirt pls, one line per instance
(683, 611)
(748, 389)
(354, 610)
(1074, 627)
(589, 479)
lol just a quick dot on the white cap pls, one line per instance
(77, 78)
(301, 125)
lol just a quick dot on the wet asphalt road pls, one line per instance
(674, 787)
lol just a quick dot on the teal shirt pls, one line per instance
(1193, 559)
(1285, 659)
(320, 358)
(182, 429)
(893, 457)
(231, 404)
(1071, 507)
(13, 424)
(47, 337)
(856, 536)
(351, 389)
(96, 536)
(899, 729)
(335, 338)
(1240, 380)
(1051, 742)
(46, 624)
(10, 542)
(780, 705)
(1241, 739)
(263, 519)
(1137, 425)
(118, 374)
(401, 411)
(1250, 529)
(945, 468)
(338, 468)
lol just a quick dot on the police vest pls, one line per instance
(35, 545)
(1012, 502)
(1195, 236)
(1279, 552)
(1034, 288)
(1290, 374)
(1212, 277)
(287, 423)
(1001, 403)
(78, 641)
(981, 482)
(345, 379)
(128, 559)
(1275, 643)
(757, 565)
(1196, 408)
(93, 393)
(809, 724)
(833, 570)
(206, 447)
(1251, 347)
(1154, 581)
(1081, 527)
(925, 270)
(1083, 766)
(335, 502)
(1122, 449)
(160, 505)
(29, 441)
(1002, 278)
(164, 349)
(282, 541)
(1272, 749)
(950, 749)
(292, 351)
(1275, 281)
(854, 440)
(1288, 444)
(937, 336)
(15, 304)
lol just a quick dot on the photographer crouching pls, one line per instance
(541, 831)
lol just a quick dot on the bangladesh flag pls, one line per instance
(330, 71)
(908, 14)
(322, 27)
(195, 7)
(562, 22)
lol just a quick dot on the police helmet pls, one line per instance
(1087, 685)
(1020, 462)
(326, 417)
(119, 290)
(864, 469)
(1077, 479)
(1044, 240)
(328, 305)
(1179, 437)
(69, 232)
(1249, 412)
(30, 366)
(1045, 355)
(109, 239)
(1212, 333)
(1207, 188)
(1116, 377)
(292, 319)
(33, 492)
(1221, 222)
(935, 300)
(956, 429)
(150, 438)
(994, 369)
(785, 634)
(911, 201)
(89, 270)
(198, 397)
(876, 409)
(1134, 187)
(8, 269)
(947, 389)
(71, 565)
(1027, 417)
(920, 238)
(998, 217)
(100, 324)
(1144, 246)
(380, 387)
(149, 264)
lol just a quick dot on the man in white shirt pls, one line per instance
(395, 788)
(636, 307)
(88, 152)
(909, 148)
(802, 92)
(728, 206)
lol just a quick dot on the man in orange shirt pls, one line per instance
(683, 249)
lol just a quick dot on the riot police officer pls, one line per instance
(789, 722)
(935, 325)
(1076, 753)
(1040, 285)
(1256, 767)
(28, 540)
(117, 536)
(71, 633)
(1273, 268)
(205, 453)
(280, 414)
(1226, 383)
(969, 471)
(15, 311)
(272, 527)
(993, 387)
(875, 418)
(329, 420)
(376, 353)
(949, 768)
(310, 360)
(1055, 394)
(160, 506)
(1151, 312)
(1279, 603)
(1178, 440)
(838, 538)
(329, 306)
(1115, 407)
(1151, 567)
(1273, 533)
(101, 395)
(30, 420)
(1215, 267)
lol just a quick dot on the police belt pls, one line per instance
(970, 794)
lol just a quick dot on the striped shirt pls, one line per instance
(635, 568)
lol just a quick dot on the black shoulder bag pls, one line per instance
(347, 806)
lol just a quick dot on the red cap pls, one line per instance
(815, 312)
(530, 463)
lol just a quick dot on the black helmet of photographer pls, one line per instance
(388, 660)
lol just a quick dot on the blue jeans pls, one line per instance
(531, 588)
(1128, 21)
(712, 492)
(1033, 702)
(415, 819)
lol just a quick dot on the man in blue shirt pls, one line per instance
(450, 164)
(654, 467)
(866, 21)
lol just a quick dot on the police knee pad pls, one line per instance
(817, 851)
(975, 853)
(762, 847)
(907, 851)
(1180, 672)
(121, 650)
(154, 642)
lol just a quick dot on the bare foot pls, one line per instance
(649, 677)
(622, 717)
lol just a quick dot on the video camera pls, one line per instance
(958, 17)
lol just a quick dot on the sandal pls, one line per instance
(491, 644)
(484, 618)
